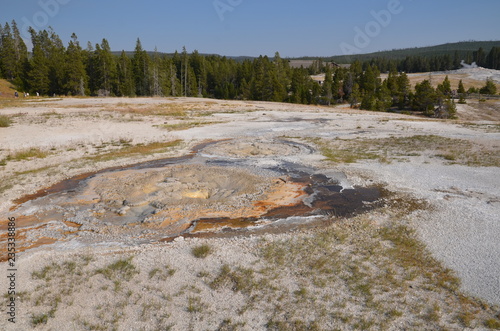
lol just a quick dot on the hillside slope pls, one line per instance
(6, 89)
(463, 48)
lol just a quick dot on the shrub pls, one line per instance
(201, 251)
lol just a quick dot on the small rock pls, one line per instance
(122, 211)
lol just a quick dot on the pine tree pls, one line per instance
(21, 53)
(461, 88)
(493, 58)
(445, 87)
(56, 56)
(446, 109)
(461, 93)
(38, 73)
(156, 74)
(337, 85)
(425, 98)
(368, 102)
(140, 63)
(490, 88)
(125, 76)
(8, 54)
(383, 97)
(404, 91)
(280, 78)
(393, 86)
(479, 57)
(105, 70)
(355, 95)
(197, 63)
(75, 76)
(184, 71)
(327, 86)
(173, 80)
(369, 81)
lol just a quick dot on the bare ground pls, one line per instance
(427, 258)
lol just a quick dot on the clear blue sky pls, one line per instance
(255, 27)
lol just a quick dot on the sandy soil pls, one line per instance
(90, 226)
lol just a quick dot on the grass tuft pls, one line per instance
(140, 149)
(121, 269)
(201, 251)
(31, 153)
(5, 121)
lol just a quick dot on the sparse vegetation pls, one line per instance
(201, 251)
(26, 154)
(121, 269)
(381, 272)
(5, 121)
(186, 125)
(161, 273)
(457, 151)
(140, 149)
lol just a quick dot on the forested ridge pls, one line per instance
(434, 58)
(52, 68)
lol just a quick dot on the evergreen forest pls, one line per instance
(53, 68)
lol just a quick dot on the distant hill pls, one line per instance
(236, 58)
(463, 48)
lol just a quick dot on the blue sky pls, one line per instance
(255, 27)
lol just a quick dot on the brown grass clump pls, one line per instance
(5, 121)
(25, 154)
(139, 149)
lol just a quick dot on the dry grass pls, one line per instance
(201, 251)
(487, 128)
(6, 89)
(186, 125)
(139, 149)
(164, 109)
(25, 154)
(5, 121)
(455, 151)
(11, 103)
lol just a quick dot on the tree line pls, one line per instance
(52, 68)
(411, 64)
